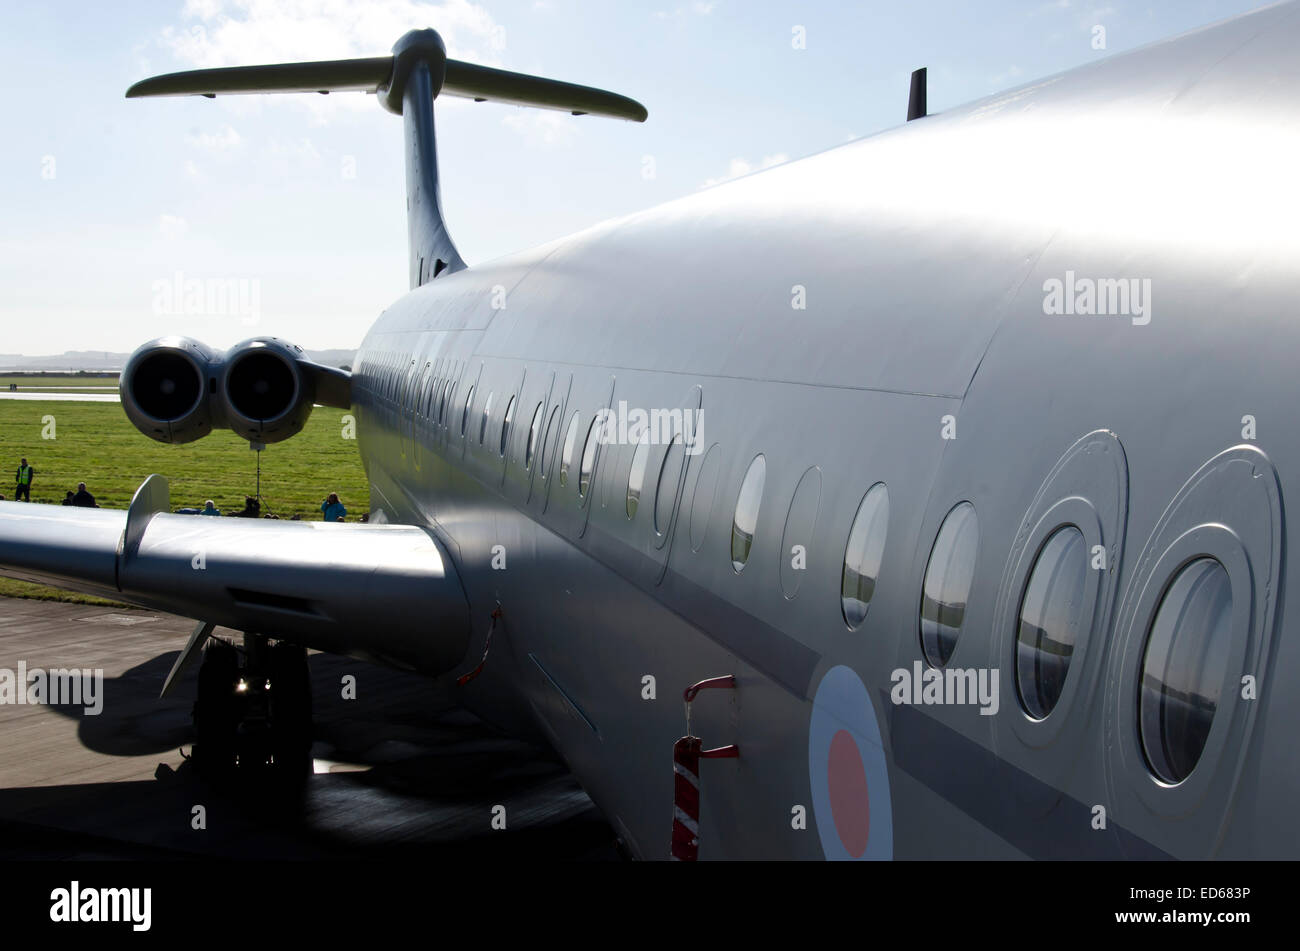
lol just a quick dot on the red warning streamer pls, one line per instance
(687, 753)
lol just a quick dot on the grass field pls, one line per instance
(64, 388)
(58, 382)
(96, 444)
(56, 379)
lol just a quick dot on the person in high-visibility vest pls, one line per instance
(24, 479)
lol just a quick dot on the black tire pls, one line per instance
(291, 713)
(216, 711)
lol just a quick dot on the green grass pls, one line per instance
(50, 388)
(59, 383)
(56, 379)
(12, 588)
(96, 444)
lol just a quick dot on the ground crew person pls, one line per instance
(252, 508)
(24, 480)
(333, 509)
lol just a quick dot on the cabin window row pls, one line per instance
(1185, 650)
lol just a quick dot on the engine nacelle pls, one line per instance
(265, 395)
(175, 390)
(165, 389)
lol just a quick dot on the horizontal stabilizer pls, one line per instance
(337, 75)
(465, 80)
(481, 83)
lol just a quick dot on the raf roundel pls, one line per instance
(847, 771)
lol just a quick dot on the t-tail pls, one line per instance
(406, 83)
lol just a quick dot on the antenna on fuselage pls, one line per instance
(916, 98)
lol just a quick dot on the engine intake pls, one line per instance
(164, 389)
(267, 396)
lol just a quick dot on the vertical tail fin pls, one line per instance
(419, 70)
(407, 83)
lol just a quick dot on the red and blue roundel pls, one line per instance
(846, 768)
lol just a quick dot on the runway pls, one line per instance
(400, 770)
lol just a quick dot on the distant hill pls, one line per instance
(333, 358)
(103, 360)
(71, 360)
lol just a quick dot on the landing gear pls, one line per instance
(252, 718)
(216, 711)
(290, 714)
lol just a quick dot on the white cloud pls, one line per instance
(222, 140)
(203, 9)
(294, 154)
(234, 32)
(543, 128)
(1084, 17)
(1012, 72)
(742, 166)
(699, 8)
(193, 172)
(172, 227)
(246, 32)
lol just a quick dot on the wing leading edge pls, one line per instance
(387, 593)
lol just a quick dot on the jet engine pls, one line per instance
(175, 390)
(265, 394)
(165, 389)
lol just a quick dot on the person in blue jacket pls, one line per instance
(333, 509)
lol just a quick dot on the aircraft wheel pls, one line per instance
(216, 711)
(291, 724)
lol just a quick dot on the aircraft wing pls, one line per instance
(387, 593)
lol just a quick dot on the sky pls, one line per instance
(289, 211)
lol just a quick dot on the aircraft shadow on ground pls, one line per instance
(401, 767)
